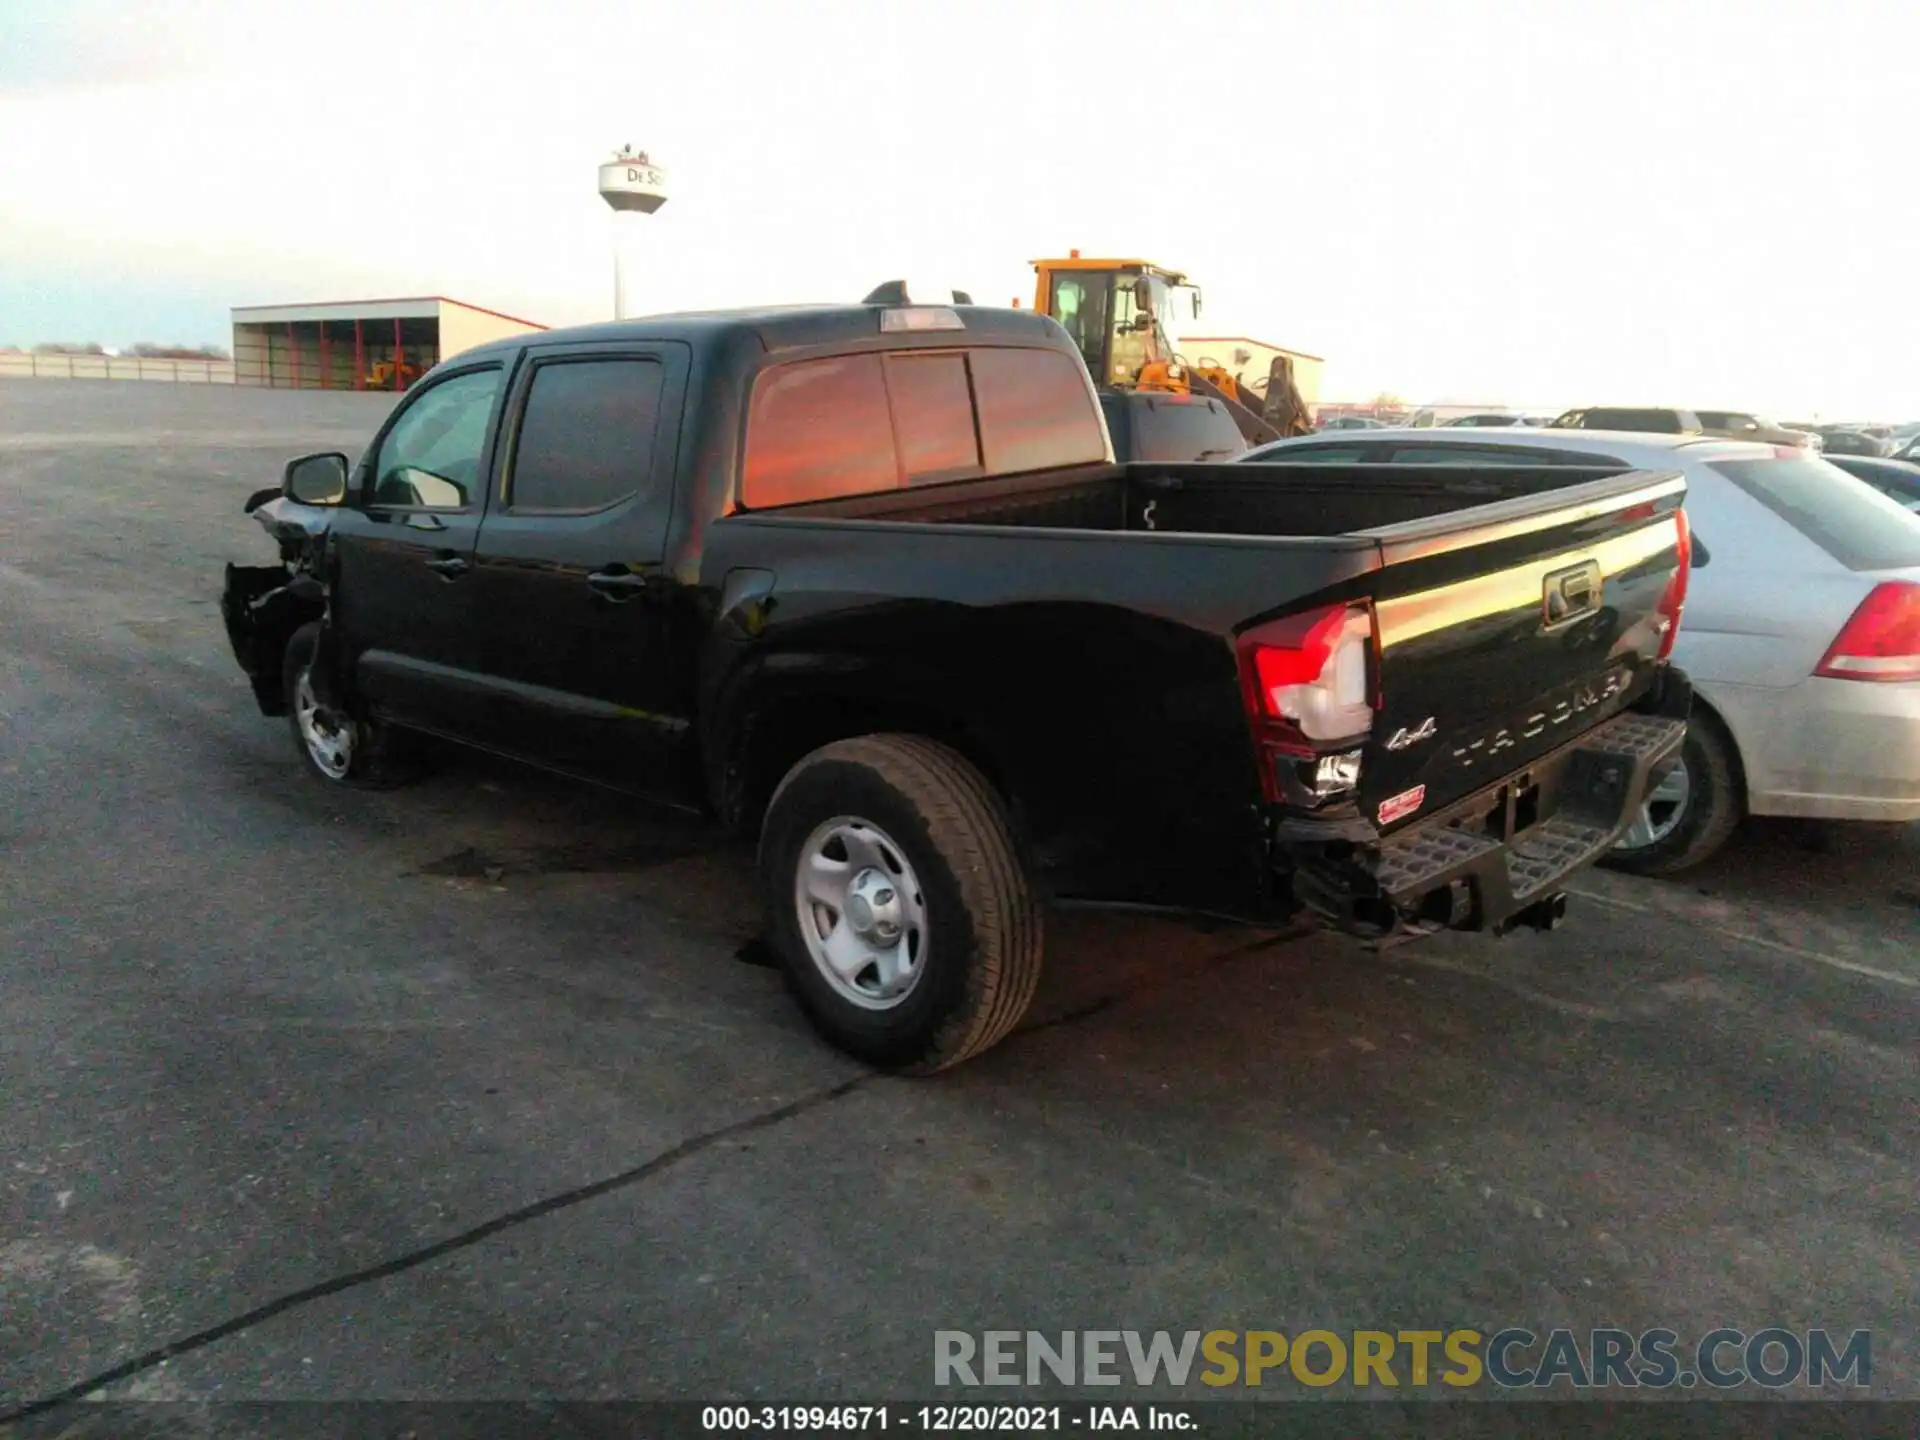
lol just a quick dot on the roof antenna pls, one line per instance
(892, 292)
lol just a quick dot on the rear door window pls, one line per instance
(586, 437)
(818, 429)
(1036, 412)
(1850, 520)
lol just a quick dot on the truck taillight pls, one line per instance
(1882, 639)
(1308, 678)
(1674, 600)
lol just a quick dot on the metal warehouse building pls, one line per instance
(359, 344)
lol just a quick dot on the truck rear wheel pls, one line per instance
(896, 898)
(338, 748)
(1691, 812)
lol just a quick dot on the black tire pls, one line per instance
(380, 757)
(1713, 807)
(984, 934)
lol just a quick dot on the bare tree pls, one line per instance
(67, 347)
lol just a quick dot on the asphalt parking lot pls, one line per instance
(467, 1091)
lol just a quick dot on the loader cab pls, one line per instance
(1120, 313)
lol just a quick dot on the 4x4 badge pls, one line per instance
(1404, 737)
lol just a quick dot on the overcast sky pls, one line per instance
(1545, 201)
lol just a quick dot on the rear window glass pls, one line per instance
(1178, 431)
(1036, 412)
(1310, 455)
(933, 416)
(819, 429)
(1847, 518)
(1662, 422)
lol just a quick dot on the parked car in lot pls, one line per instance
(866, 582)
(1839, 440)
(1653, 420)
(1726, 424)
(1802, 630)
(1352, 422)
(1486, 420)
(1738, 425)
(1897, 479)
(1910, 450)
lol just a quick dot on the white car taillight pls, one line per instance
(1882, 639)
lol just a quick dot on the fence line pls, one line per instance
(116, 367)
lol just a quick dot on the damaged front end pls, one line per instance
(263, 605)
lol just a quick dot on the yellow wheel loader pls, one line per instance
(1119, 313)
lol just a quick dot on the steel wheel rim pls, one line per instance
(329, 741)
(862, 912)
(1666, 807)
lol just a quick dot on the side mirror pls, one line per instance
(316, 479)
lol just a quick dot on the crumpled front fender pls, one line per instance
(262, 606)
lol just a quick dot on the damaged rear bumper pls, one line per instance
(1500, 858)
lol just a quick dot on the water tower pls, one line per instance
(634, 186)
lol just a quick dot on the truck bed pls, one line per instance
(1058, 595)
(1295, 501)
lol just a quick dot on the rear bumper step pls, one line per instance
(1455, 871)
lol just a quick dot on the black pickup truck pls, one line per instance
(866, 582)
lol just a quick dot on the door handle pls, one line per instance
(617, 584)
(449, 567)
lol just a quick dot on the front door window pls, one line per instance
(433, 457)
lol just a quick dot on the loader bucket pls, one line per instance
(1256, 430)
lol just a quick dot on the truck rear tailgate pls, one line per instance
(1510, 634)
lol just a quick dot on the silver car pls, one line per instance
(1801, 628)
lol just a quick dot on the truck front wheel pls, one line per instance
(896, 898)
(336, 747)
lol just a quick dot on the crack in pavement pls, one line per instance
(512, 1219)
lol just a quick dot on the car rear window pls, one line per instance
(857, 424)
(819, 429)
(933, 416)
(1173, 430)
(1036, 411)
(1850, 520)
